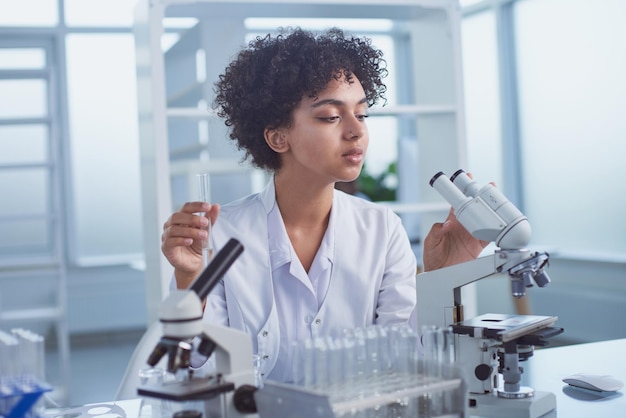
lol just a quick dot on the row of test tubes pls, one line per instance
(377, 362)
(22, 369)
(358, 354)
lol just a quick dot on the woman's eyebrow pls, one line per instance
(334, 102)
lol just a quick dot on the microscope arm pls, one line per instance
(441, 288)
(233, 352)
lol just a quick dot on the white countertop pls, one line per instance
(548, 366)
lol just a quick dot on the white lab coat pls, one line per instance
(372, 281)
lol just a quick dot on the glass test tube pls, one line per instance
(438, 353)
(204, 188)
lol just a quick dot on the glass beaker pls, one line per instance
(151, 406)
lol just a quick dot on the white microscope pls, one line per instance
(227, 393)
(490, 347)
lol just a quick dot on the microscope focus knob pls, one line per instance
(244, 399)
(483, 371)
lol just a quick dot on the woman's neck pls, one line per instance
(305, 209)
(303, 202)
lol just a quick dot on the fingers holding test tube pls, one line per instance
(182, 238)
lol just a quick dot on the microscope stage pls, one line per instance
(196, 388)
(503, 327)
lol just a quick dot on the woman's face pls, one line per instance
(328, 137)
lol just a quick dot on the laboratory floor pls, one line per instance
(97, 365)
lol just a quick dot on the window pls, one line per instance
(22, 58)
(27, 212)
(21, 13)
(28, 98)
(482, 101)
(99, 12)
(23, 144)
(104, 146)
(572, 96)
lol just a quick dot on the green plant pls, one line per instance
(382, 187)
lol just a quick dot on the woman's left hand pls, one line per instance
(449, 243)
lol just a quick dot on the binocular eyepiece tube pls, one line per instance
(484, 211)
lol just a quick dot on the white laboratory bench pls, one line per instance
(544, 372)
(546, 369)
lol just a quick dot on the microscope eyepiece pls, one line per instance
(434, 178)
(456, 174)
(216, 269)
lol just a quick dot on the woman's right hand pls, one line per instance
(181, 241)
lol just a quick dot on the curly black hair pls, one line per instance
(263, 85)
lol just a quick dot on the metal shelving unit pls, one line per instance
(33, 213)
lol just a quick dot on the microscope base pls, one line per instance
(491, 405)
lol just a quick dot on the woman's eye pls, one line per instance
(336, 118)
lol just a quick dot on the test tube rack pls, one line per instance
(22, 373)
(371, 372)
(18, 396)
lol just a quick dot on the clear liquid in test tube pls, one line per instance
(204, 187)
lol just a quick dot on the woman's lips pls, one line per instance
(354, 155)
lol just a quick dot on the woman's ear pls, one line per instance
(276, 140)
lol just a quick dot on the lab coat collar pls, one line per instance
(268, 196)
(281, 250)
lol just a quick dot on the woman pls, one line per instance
(316, 260)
